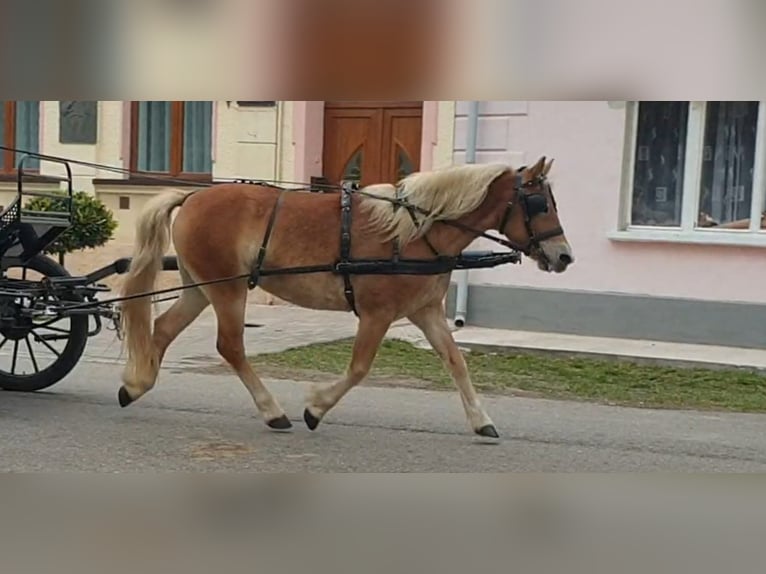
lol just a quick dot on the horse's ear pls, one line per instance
(547, 168)
(536, 169)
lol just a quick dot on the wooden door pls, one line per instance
(371, 142)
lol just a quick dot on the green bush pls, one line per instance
(93, 224)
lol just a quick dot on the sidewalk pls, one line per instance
(656, 352)
(275, 328)
(308, 326)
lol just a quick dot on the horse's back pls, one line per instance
(220, 230)
(239, 210)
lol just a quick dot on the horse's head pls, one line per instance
(530, 218)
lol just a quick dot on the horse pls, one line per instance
(223, 230)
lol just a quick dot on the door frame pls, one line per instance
(379, 120)
(308, 134)
(373, 104)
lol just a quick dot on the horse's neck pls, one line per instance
(452, 240)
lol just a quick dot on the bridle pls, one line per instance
(532, 205)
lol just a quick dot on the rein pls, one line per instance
(531, 205)
(523, 200)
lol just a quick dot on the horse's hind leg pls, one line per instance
(433, 323)
(369, 335)
(229, 302)
(167, 326)
(179, 316)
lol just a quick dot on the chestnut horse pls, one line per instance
(218, 233)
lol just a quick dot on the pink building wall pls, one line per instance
(586, 140)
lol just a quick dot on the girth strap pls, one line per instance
(345, 245)
(255, 273)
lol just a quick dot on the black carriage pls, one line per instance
(46, 314)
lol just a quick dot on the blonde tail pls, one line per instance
(152, 241)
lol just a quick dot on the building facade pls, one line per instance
(661, 201)
(199, 142)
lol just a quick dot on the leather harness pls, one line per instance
(532, 204)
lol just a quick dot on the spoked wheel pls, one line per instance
(36, 353)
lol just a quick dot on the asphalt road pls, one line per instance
(201, 422)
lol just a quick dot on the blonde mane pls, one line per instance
(447, 193)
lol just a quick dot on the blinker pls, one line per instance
(536, 203)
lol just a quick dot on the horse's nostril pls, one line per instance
(565, 258)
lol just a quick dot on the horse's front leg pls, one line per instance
(369, 335)
(433, 323)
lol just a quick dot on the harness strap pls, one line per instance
(430, 246)
(414, 218)
(535, 238)
(395, 241)
(556, 231)
(396, 248)
(345, 245)
(255, 273)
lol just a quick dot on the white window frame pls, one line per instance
(688, 232)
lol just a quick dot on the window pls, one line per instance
(172, 138)
(696, 169)
(20, 129)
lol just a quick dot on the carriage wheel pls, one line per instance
(35, 354)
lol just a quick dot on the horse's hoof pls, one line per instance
(311, 421)
(124, 397)
(280, 423)
(488, 431)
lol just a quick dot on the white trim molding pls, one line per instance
(688, 231)
(740, 238)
